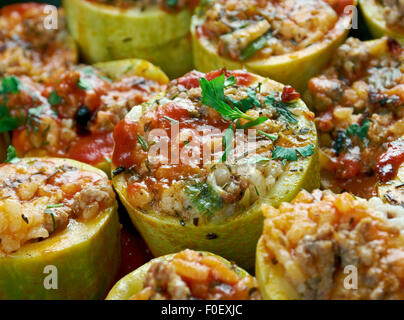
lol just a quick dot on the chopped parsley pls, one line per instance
(290, 154)
(12, 155)
(7, 122)
(204, 197)
(273, 137)
(281, 107)
(360, 131)
(54, 98)
(83, 84)
(10, 84)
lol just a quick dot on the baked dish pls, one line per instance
(212, 201)
(61, 213)
(288, 41)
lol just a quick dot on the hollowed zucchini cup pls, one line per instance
(373, 13)
(235, 237)
(81, 259)
(85, 145)
(129, 286)
(294, 68)
(104, 32)
(315, 249)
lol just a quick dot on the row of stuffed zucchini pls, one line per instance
(114, 115)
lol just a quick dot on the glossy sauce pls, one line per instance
(390, 161)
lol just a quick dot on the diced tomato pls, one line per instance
(348, 166)
(125, 137)
(389, 162)
(289, 94)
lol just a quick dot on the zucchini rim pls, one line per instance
(132, 283)
(376, 23)
(105, 33)
(235, 239)
(86, 256)
(294, 68)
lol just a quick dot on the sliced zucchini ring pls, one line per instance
(314, 247)
(197, 275)
(30, 47)
(213, 206)
(104, 33)
(52, 224)
(294, 68)
(75, 116)
(373, 11)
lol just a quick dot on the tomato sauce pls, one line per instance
(390, 161)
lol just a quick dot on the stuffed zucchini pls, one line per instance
(327, 246)
(384, 18)
(75, 116)
(194, 165)
(288, 41)
(60, 214)
(359, 102)
(390, 170)
(184, 276)
(157, 31)
(29, 46)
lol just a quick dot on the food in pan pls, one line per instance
(75, 116)
(384, 17)
(184, 276)
(360, 110)
(208, 195)
(157, 31)
(28, 47)
(56, 213)
(328, 246)
(288, 41)
(390, 168)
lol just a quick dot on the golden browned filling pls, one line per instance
(359, 101)
(319, 236)
(195, 275)
(30, 45)
(169, 5)
(394, 12)
(40, 197)
(241, 29)
(207, 181)
(73, 117)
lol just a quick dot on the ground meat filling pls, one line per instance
(39, 198)
(192, 275)
(261, 29)
(28, 47)
(394, 12)
(360, 105)
(144, 4)
(203, 182)
(75, 116)
(317, 236)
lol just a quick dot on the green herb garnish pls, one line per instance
(281, 107)
(10, 84)
(83, 84)
(12, 155)
(171, 120)
(204, 198)
(272, 137)
(360, 131)
(290, 154)
(54, 98)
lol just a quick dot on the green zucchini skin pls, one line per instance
(105, 33)
(132, 283)
(235, 239)
(86, 256)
